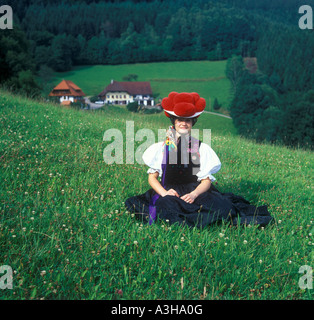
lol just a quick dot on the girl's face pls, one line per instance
(183, 125)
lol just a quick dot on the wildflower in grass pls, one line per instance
(245, 242)
(221, 235)
(135, 242)
(119, 292)
(260, 261)
(176, 247)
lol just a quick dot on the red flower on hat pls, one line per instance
(184, 109)
(183, 104)
(167, 103)
(200, 104)
(196, 96)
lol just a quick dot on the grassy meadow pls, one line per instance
(65, 232)
(205, 77)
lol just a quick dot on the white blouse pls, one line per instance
(209, 161)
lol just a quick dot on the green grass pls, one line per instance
(66, 235)
(205, 77)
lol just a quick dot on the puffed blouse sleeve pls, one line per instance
(152, 157)
(209, 163)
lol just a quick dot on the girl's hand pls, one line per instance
(171, 192)
(189, 197)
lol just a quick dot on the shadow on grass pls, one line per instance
(251, 191)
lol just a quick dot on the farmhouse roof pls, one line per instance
(67, 88)
(131, 87)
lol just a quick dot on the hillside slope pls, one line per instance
(65, 233)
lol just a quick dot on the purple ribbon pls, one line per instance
(156, 196)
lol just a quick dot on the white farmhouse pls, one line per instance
(129, 91)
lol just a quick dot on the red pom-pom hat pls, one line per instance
(185, 105)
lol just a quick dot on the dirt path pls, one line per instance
(218, 114)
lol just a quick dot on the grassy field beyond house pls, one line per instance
(65, 232)
(205, 77)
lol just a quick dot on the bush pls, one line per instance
(133, 106)
(216, 106)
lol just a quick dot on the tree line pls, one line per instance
(64, 34)
(57, 35)
(275, 104)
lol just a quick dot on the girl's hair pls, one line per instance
(173, 119)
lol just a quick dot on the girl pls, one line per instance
(186, 166)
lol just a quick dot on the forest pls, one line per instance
(274, 104)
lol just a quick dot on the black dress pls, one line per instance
(208, 208)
